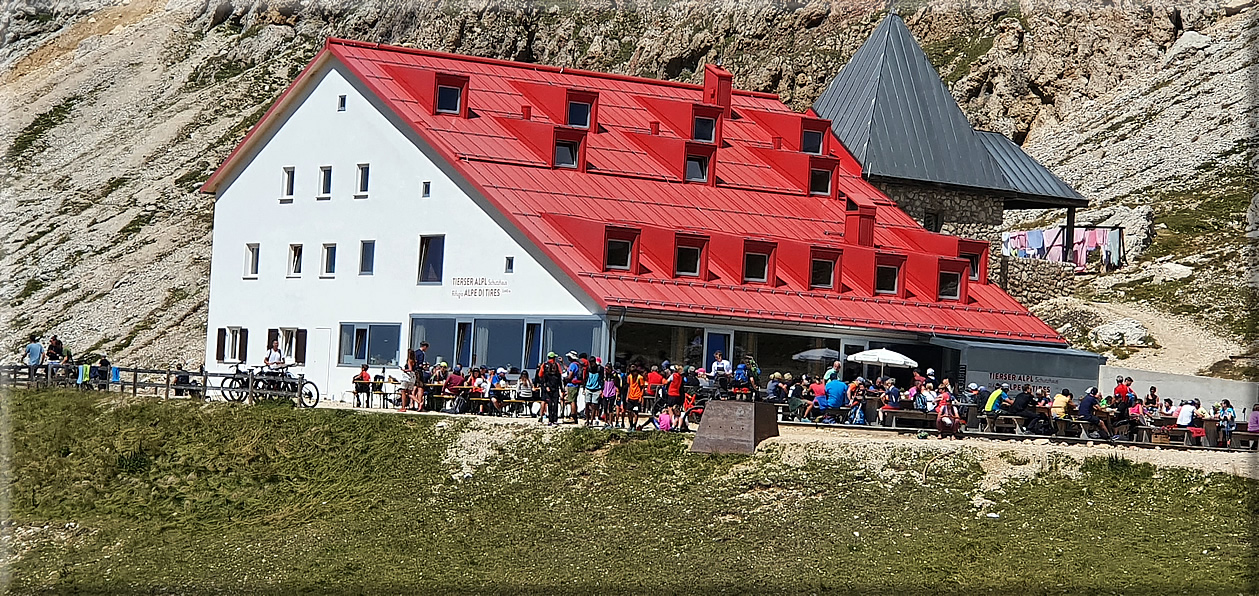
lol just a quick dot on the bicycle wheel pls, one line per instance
(310, 395)
(233, 389)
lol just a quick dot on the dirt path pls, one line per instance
(1187, 347)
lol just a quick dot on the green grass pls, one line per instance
(179, 497)
(29, 140)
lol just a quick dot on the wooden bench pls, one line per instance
(1242, 435)
(1003, 423)
(893, 415)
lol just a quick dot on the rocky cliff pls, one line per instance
(117, 110)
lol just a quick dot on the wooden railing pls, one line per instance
(157, 382)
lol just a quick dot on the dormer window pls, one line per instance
(756, 267)
(449, 99)
(950, 285)
(579, 114)
(811, 142)
(696, 168)
(566, 154)
(620, 253)
(688, 261)
(974, 266)
(819, 182)
(822, 273)
(705, 129)
(887, 279)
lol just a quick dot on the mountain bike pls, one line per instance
(280, 380)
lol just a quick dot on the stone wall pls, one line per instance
(1031, 281)
(964, 214)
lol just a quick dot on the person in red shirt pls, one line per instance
(654, 381)
(674, 391)
(362, 386)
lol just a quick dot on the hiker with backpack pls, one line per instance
(636, 383)
(549, 381)
(576, 375)
(593, 390)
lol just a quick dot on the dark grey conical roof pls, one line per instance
(891, 110)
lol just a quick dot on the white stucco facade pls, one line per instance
(308, 134)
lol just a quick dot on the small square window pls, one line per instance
(364, 173)
(950, 285)
(329, 260)
(367, 257)
(811, 142)
(705, 129)
(619, 253)
(974, 266)
(820, 182)
(426, 189)
(887, 279)
(449, 99)
(432, 251)
(510, 265)
(933, 221)
(755, 267)
(286, 190)
(295, 260)
(696, 168)
(822, 274)
(578, 114)
(688, 258)
(251, 260)
(566, 154)
(325, 181)
(340, 103)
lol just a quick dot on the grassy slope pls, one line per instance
(230, 499)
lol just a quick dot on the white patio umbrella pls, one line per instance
(816, 355)
(883, 358)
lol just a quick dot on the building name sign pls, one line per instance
(479, 287)
(1021, 378)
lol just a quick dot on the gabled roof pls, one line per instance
(632, 181)
(890, 108)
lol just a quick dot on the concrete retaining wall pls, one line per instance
(1179, 387)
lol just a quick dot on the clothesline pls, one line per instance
(1048, 244)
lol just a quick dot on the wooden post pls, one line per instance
(249, 390)
(205, 385)
(301, 379)
(1068, 243)
(135, 382)
(167, 384)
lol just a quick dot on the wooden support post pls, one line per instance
(301, 380)
(167, 385)
(135, 382)
(249, 389)
(1068, 243)
(205, 385)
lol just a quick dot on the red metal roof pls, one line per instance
(632, 180)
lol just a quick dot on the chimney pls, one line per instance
(778, 142)
(859, 225)
(526, 113)
(655, 127)
(717, 87)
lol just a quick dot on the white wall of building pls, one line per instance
(315, 134)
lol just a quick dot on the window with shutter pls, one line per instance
(299, 348)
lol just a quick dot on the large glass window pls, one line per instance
(579, 335)
(440, 335)
(533, 345)
(374, 345)
(498, 342)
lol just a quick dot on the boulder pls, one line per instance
(1124, 332)
(1232, 7)
(1165, 272)
(1189, 42)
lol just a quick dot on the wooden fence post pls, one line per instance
(135, 382)
(301, 380)
(167, 384)
(249, 389)
(205, 385)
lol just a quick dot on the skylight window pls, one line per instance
(696, 168)
(579, 114)
(705, 129)
(449, 99)
(811, 142)
(566, 154)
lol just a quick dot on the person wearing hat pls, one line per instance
(931, 376)
(550, 378)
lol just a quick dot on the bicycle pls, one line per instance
(279, 380)
(235, 387)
